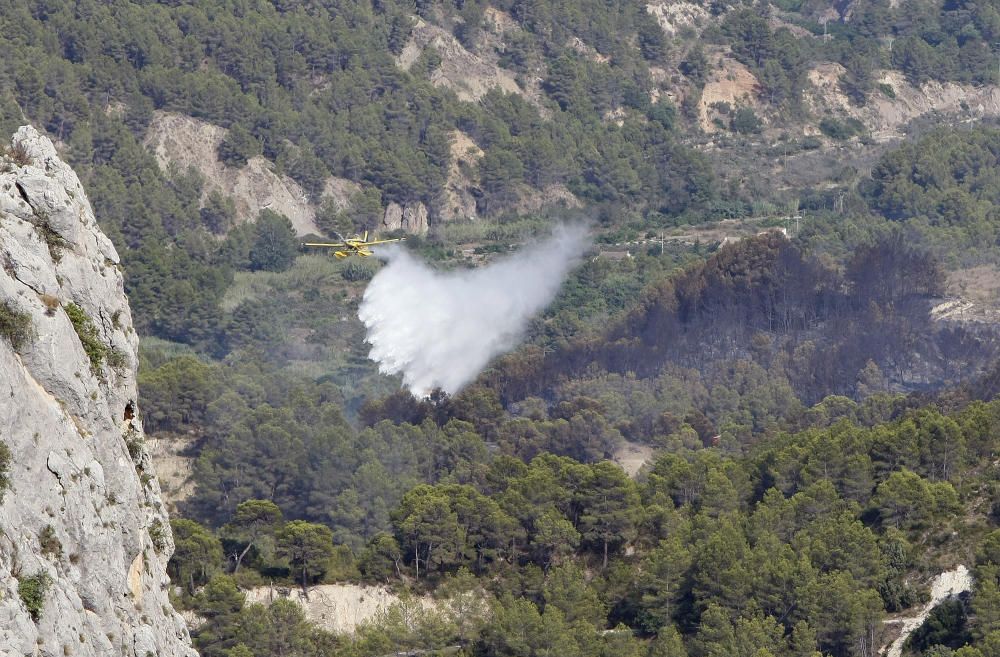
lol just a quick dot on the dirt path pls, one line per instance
(943, 587)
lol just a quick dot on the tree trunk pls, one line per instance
(305, 583)
(239, 559)
(605, 555)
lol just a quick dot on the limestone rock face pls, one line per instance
(183, 142)
(412, 218)
(84, 508)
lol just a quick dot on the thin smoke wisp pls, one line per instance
(440, 329)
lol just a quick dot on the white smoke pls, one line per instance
(440, 329)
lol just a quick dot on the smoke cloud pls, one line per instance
(440, 329)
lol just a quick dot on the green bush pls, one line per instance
(810, 143)
(158, 535)
(840, 130)
(85, 329)
(117, 359)
(5, 460)
(745, 121)
(355, 270)
(15, 325)
(32, 591)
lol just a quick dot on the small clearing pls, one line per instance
(339, 608)
(944, 586)
(729, 82)
(974, 296)
(632, 456)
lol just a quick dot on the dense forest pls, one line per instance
(822, 444)
(798, 546)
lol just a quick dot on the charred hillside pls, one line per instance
(823, 329)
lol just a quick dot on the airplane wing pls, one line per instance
(335, 245)
(398, 239)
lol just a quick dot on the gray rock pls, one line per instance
(412, 218)
(393, 217)
(415, 218)
(63, 421)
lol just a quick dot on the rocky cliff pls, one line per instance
(84, 537)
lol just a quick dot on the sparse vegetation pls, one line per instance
(51, 545)
(96, 350)
(5, 460)
(134, 443)
(33, 590)
(158, 536)
(117, 360)
(50, 302)
(15, 326)
(17, 153)
(841, 130)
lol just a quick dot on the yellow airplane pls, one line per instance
(352, 246)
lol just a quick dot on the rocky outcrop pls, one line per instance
(84, 538)
(887, 116)
(458, 200)
(340, 608)
(674, 15)
(469, 74)
(411, 218)
(181, 142)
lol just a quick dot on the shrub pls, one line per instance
(887, 90)
(117, 359)
(87, 332)
(50, 302)
(32, 591)
(745, 121)
(356, 270)
(810, 143)
(5, 460)
(158, 535)
(15, 325)
(53, 240)
(841, 130)
(51, 545)
(18, 153)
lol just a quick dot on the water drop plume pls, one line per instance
(440, 329)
